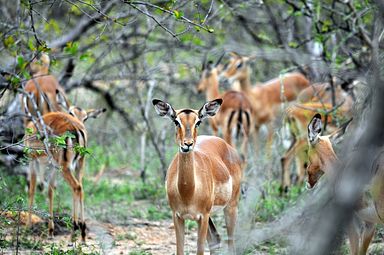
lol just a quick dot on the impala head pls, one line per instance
(236, 68)
(321, 155)
(83, 115)
(40, 64)
(209, 74)
(186, 121)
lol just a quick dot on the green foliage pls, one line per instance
(155, 213)
(139, 252)
(82, 150)
(272, 204)
(76, 250)
(52, 27)
(72, 48)
(60, 141)
(178, 14)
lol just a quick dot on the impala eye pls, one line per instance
(239, 65)
(197, 123)
(177, 123)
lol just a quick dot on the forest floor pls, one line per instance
(140, 236)
(117, 224)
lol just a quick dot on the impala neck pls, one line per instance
(213, 89)
(327, 155)
(186, 175)
(245, 82)
(43, 71)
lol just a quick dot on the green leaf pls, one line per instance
(28, 131)
(71, 48)
(9, 41)
(293, 44)
(31, 45)
(178, 14)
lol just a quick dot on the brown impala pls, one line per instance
(45, 93)
(68, 159)
(235, 112)
(204, 175)
(370, 209)
(265, 97)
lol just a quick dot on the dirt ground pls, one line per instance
(139, 237)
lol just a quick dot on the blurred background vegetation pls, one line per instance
(119, 54)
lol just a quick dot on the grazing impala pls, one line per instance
(266, 97)
(370, 209)
(67, 156)
(204, 174)
(316, 98)
(44, 90)
(235, 111)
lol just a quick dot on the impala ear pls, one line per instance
(95, 113)
(314, 129)
(210, 108)
(234, 54)
(164, 109)
(337, 135)
(61, 100)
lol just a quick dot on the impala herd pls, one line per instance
(206, 172)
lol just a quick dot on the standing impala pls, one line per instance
(266, 97)
(235, 111)
(44, 90)
(68, 157)
(370, 209)
(204, 174)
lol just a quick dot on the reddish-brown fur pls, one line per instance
(44, 88)
(370, 210)
(234, 104)
(58, 124)
(206, 172)
(266, 97)
(316, 98)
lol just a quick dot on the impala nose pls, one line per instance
(187, 146)
(188, 143)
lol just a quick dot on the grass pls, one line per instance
(271, 204)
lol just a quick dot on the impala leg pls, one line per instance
(230, 213)
(180, 232)
(269, 139)
(285, 164)
(227, 135)
(255, 136)
(369, 231)
(76, 189)
(202, 234)
(31, 188)
(213, 237)
(244, 150)
(79, 176)
(300, 161)
(353, 236)
(51, 189)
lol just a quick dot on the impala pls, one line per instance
(235, 111)
(265, 98)
(43, 92)
(204, 175)
(370, 209)
(67, 158)
(314, 99)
